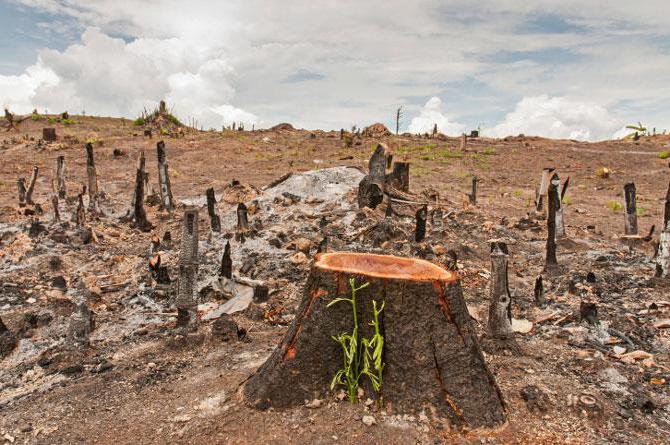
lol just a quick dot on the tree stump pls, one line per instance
(60, 177)
(49, 134)
(630, 227)
(543, 189)
(371, 187)
(399, 177)
(92, 179)
(431, 355)
(167, 202)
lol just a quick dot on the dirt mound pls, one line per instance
(282, 127)
(376, 130)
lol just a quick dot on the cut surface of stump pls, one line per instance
(431, 355)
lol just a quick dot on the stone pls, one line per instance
(369, 420)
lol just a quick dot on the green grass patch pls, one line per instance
(614, 206)
(67, 122)
(641, 211)
(489, 151)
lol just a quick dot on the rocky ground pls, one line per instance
(138, 379)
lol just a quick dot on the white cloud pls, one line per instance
(557, 117)
(107, 76)
(431, 114)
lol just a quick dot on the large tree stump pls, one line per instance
(371, 187)
(137, 212)
(431, 355)
(399, 177)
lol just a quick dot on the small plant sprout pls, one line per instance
(614, 206)
(664, 154)
(360, 356)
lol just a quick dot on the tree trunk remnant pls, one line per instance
(432, 356)
(188, 270)
(631, 209)
(31, 185)
(138, 212)
(560, 227)
(500, 306)
(420, 229)
(214, 219)
(61, 188)
(80, 213)
(666, 212)
(54, 204)
(21, 185)
(92, 179)
(399, 177)
(226, 270)
(49, 134)
(543, 189)
(371, 187)
(551, 260)
(539, 292)
(167, 201)
(473, 196)
(242, 219)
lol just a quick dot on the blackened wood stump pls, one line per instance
(431, 354)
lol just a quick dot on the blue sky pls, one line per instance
(571, 69)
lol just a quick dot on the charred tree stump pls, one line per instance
(242, 219)
(188, 270)
(54, 204)
(21, 185)
(473, 195)
(543, 189)
(666, 212)
(551, 260)
(49, 134)
(560, 227)
(167, 201)
(420, 229)
(92, 179)
(631, 209)
(399, 177)
(60, 177)
(539, 292)
(214, 219)
(371, 187)
(226, 270)
(80, 213)
(431, 358)
(139, 215)
(31, 185)
(464, 142)
(500, 335)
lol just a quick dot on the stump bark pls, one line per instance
(551, 261)
(92, 179)
(167, 202)
(630, 227)
(60, 177)
(431, 356)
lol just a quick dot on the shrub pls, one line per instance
(67, 121)
(139, 121)
(664, 154)
(173, 119)
(489, 151)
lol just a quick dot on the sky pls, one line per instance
(578, 69)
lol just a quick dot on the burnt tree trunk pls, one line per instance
(500, 306)
(371, 187)
(226, 270)
(431, 355)
(61, 189)
(188, 270)
(464, 142)
(138, 212)
(92, 179)
(21, 185)
(539, 291)
(666, 212)
(473, 195)
(631, 209)
(543, 189)
(214, 219)
(399, 177)
(49, 134)
(663, 255)
(420, 229)
(560, 227)
(551, 260)
(167, 201)
(54, 204)
(31, 185)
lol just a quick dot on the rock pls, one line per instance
(225, 328)
(369, 420)
(302, 245)
(536, 400)
(314, 404)
(298, 258)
